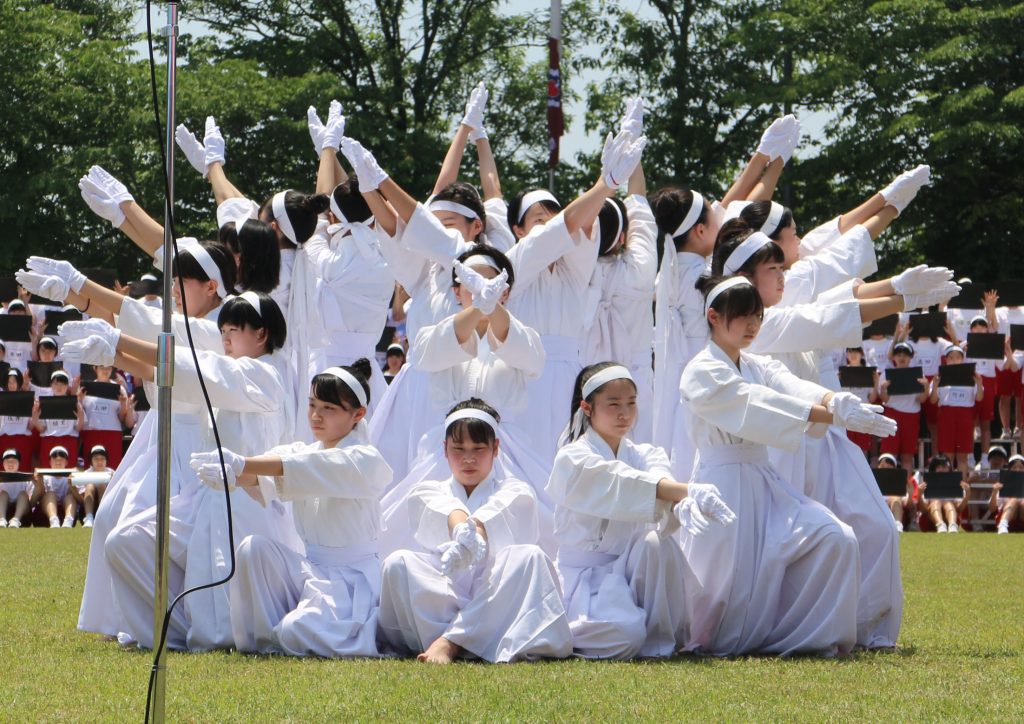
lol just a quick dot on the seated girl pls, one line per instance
(17, 497)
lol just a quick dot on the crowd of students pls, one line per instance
(528, 484)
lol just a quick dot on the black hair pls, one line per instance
(460, 192)
(577, 392)
(733, 233)
(512, 213)
(490, 252)
(741, 300)
(54, 452)
(670, 206)
(302, 210)
(237, 311)
(609, 222)
(937, 461)
(470, 428)
(259, 262)
(16, 373)
(185, 266)
(863, 360)
(48, 340)
(350, 201)
(396, 351)
(756, 213)
(334, 390)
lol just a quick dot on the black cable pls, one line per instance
(192, 348)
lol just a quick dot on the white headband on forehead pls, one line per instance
(618, 229)
(281, 216)
(618, 372)
(336, 210)
(453, 206)
(254, 301)
(57, 449)
(696, 207)
(534, 197)
(481, 260)
(203, 258)
(771, 224)
(722, 287)
(742, 253)
(349, 379)
(471, 413)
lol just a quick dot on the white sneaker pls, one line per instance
(55, 522)
(3, 522)
(87, 523)
(69, 522)
(1004, 527)
(941, 528)
(899, 525)
(953, 528)
(15, 523)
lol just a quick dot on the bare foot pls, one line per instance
(442, 651)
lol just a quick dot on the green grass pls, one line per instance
(961, 658)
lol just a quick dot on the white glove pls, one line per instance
(454, 558)
(100, 202)
(690, 517)
(369, 172)
(467, 535)
(778, 137)
(920, 279)
(490, 296)
(92, 350)
(193, 149)
(207, 466)
(632, 121)
(116, 190)
(474, 117)
(620, 157)
(786, 151)
(316, 129)
(904, 187)
(709, 500)
(849, 412)
(213, 142)
(56, 268)
(85, 328)
(471, 279)
(334, 131)
(940, 295)
(45, 286)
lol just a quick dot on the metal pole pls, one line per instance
(164, 381)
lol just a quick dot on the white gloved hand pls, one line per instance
(454, 558)
(191, 146)
(490, 296)
(213, 141)
(316, 129)
(467, 535)
(85, 328)
(921, 279)
(471, 279)
(938, 295)
(786, 150)
(334, 131)
(207, 466)
(100, 202)
(690, 517)
(92, 350)
(777, 137)
(849, 412)
(57, 268)
(709, 499)
(42, 284)
(474, 116)
(370, 174)
(116, 190)
(904, 187)
(632, 121)
(619, 158)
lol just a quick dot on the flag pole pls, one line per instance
(556, 120)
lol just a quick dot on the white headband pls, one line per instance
(471, 413)
(696, 207)
(771, 224)
(481, 260)
(10, 453)
(534, 197)
(254, 301)
(618, 372)
(618, 229)
(281, 216)
(203, 258)
(96, 449)
(722, 287)
(742, 253)
(336, 210)
(444, 205)
(349, 379)
(59, 449)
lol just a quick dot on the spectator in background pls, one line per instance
(395, 360)
(941, 514)
(62, 433)
(1009, 513)
(105, 418)
(902, 506)
(16, 498)
(16, 432)
(54, 490)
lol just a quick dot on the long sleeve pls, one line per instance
(353, 471)
(641, 247)
(584, 482)
(239, 385)
(808, 327)
(819, 238)
(412, 270)
(144, 322)
(509, 515)
(430, 504)
(427, 236)
(851, 255)
(522, 349)
(539, 249)
(436, 347)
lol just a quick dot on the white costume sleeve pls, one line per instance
(750, 411)
(584, 482)
(850, 256)
(509, 515)
(411, 270)
(808, 327)
(436, 347)
(539, 249)
(353, 471)
(641, 246)
(144, 322)
(240, 385)
(427, 236)
(522, 349)
(499, 235)
(430, 504)
(819, 237)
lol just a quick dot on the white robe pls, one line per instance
(619, 317)
(506, 608)
(324, 603)
(783, 579)
(623, 574)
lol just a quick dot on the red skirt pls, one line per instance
(985, 408)
(956, 430)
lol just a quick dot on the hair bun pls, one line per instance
(363, 367)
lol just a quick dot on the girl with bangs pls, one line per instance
(323, 602)
(474, 583)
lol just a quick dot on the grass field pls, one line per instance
(960, 658)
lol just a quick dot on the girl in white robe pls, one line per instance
(785, 580)
(325, 602)
(624, 578)
(481, 352)
(246, 387)
(476, 583)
